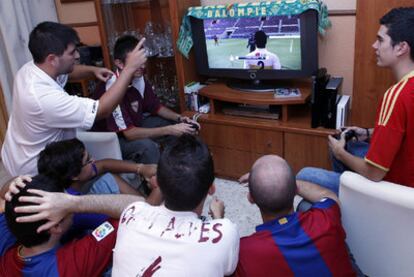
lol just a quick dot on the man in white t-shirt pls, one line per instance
(42, 111)
(172, 240)
(261, 58)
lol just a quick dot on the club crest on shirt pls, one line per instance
(283, 220)
(103, 231)
(134, 106)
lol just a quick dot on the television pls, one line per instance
(224, 48)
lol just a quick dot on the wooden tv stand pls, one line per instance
(236, 142)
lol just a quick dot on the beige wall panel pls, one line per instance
(76, 12)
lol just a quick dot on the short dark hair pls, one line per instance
(400, 23)
(274, 192)
(123, 46)
(260, 38)
(62, 160)
(50, 38)
(26, 233)
(185, 173)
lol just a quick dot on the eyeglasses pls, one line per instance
(89, 160)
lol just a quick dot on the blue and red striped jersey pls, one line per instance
(88, 256)
(300, 244)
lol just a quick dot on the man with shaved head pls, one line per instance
(291, 243)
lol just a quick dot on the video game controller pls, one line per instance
(348, 135)
(194, 126)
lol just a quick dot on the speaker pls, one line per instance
(319, 81)
(330, 101)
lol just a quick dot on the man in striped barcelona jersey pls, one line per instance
(289, 243)
(385, 152)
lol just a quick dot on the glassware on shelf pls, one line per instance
(150, 40)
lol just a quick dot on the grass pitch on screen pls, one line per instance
(287, 49)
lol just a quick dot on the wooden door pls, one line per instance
(370, 81)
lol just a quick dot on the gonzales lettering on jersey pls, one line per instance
(161, 242)
(392, 144)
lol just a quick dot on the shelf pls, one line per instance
(221, 92)
(299, 124)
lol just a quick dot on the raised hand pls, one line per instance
(136, 58)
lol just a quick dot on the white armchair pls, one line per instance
(101, 145)
(379, 221)
(105, 145)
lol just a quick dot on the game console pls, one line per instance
(325, 99)
(342, 111)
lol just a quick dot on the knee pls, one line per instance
(151, 152)
(305, 173)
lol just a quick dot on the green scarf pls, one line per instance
(279, 7)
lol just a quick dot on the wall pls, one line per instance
(81, 16)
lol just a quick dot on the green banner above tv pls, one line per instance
(238, 10)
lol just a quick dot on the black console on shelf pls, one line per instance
(324, 98)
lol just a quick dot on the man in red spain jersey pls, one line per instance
(389, 153)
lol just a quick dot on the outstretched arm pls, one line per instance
(81, 71)
(120, 166)
(55, 206)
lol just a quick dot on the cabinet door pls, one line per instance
(305, 150)
(269, 142)
(235, 149)
(232, 163)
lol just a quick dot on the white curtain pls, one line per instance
(17, 19)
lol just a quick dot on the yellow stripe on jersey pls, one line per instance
(384, 100)
(390, 98)
(394, 99)
(377, 165)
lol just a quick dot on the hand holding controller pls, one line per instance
(350, 134)
(194, 126)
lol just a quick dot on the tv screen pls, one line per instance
(257, 48)
(232, 43)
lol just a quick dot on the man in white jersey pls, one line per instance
(172, 240)
(261, 58)
(42, 111)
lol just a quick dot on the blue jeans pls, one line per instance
(106, 184)
(330, 179)
(147, 150)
